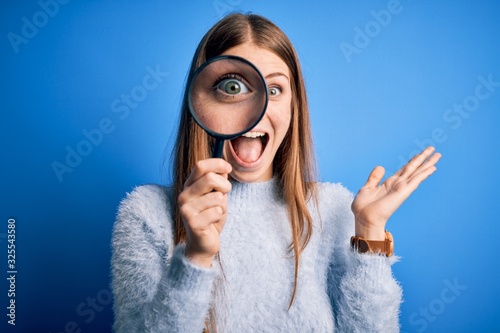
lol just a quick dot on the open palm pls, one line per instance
(375, 203)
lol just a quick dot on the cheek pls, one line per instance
(286, 120)
(280, 115)
(285, 116)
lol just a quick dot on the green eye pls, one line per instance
(232, 87)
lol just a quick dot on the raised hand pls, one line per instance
(375, 203)
(203, 208)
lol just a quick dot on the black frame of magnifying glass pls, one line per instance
(219, 138)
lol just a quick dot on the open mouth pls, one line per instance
(249, 147)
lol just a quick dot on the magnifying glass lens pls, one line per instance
(227, 96)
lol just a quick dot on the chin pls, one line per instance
(250, 177)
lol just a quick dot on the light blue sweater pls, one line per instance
(156, 289)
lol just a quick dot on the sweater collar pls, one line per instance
(258, 191)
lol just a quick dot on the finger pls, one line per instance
(430, 161)
(375, 177)
(208, 183)
(203, 220)
(215, 165)
(195, 205)
(418, 178)
(415, 162)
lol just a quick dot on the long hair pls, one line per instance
(294, 164)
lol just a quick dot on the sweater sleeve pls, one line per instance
(155, 288)
(364, 293)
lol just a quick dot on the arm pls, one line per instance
(155, 287)
(364, 294)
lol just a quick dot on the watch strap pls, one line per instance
(362, 245)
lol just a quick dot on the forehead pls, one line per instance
(266, 61)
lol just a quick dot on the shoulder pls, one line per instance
(146, 211)
(334, 197)
(150, 200)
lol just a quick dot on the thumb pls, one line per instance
(375, 177)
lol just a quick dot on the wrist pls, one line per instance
(199, 259)
(370, 233)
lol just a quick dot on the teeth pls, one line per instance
(254, 134)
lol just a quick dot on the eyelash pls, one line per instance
(230, 76)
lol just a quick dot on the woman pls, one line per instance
(250, 242)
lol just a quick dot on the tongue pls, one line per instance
(247, 149)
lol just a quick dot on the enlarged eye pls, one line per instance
(233, 86)
(274, 91)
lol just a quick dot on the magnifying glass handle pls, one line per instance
(217, 152)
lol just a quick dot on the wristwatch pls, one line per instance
(362, 245)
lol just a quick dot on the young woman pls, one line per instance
(251, 242)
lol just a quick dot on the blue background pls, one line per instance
(376, 106)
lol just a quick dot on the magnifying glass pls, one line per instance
(227, 97)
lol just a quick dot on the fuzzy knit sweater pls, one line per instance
(157, 289)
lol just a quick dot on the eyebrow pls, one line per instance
(276, 74)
